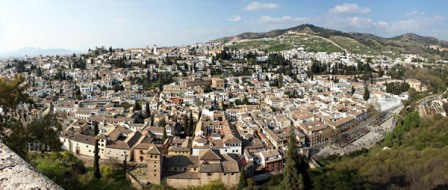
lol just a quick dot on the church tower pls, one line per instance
(154, 162)
(155, 49)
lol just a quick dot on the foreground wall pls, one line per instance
(15, 173)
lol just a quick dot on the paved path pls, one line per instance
(369, 140)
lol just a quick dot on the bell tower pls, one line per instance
(154, 161)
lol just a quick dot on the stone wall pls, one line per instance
(15, 173)
(230, 180)
(135, 183)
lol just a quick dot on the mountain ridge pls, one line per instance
(33, 51)
(405, 43)
(311, 29)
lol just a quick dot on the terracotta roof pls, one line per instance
(209, 155)
(233, 140)
(80, 138)
(178, 149)
(154, 150)
(230, 167)
(210, 168)
(184, 161)
(133, 139)
(270, 153)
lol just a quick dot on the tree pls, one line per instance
(245, 100)
(162, 122)
(137, 106)
(242, 183)
(45, 133)
(148, 111)
(291, 176)
(191, 123)
(39, 72)
(12, 94)
(187, 130)
(165, 136)
(366, 95)
(96, 158)
(152, 120)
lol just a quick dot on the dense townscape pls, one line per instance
(189, 115)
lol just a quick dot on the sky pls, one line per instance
(81, 24)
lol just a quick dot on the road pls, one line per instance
(375, 135)
(423, 103)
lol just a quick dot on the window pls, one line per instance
(155, 174)
(155, 162)
(209, 174)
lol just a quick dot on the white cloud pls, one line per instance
(415, 13)
(254, 6)
(268, 19)
(349, 8)
(383, 23)
(364, 23)
(354, 24)
(264, 23)
(121, 20)
(415, 24)
(234, 19)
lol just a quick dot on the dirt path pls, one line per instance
(326, 39)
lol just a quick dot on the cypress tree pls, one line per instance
(366, 95)
(148, 111)
(242, 183)
(96, 161)
(165, 136)
(191, 124)
(186, 126)
(291, 176)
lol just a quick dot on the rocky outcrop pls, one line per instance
(15, 173)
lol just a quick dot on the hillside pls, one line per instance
(416, 159)
(353, 42)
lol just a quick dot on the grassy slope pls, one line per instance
(287, 42)
(417, 159)
(361, 43)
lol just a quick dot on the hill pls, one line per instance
(416, 159)
(408, 43)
